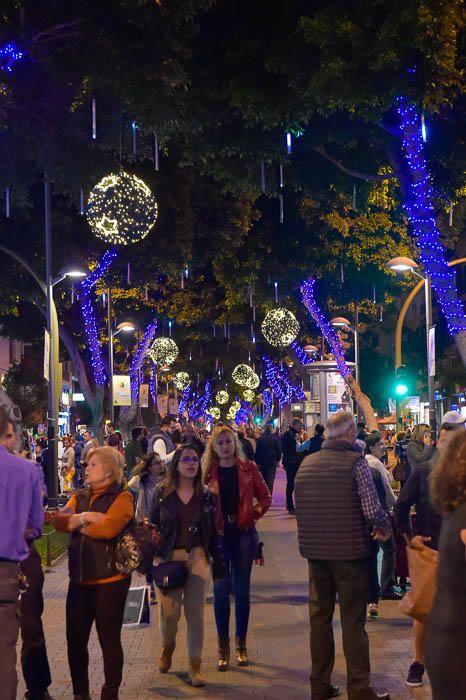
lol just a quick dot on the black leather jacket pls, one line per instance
(164, 517)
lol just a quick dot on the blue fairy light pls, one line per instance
(139, 357)
(9, 55)
(280, 384)
(420, 210)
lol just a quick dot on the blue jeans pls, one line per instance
(238, 550)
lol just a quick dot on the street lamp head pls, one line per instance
(401, 264)
(126, 327)
(73, 271)
(310, 349)
(340, 322)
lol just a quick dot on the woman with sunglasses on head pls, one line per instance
(183, 511)
(242, 497)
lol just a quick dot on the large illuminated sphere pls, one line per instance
(181, 380)
(121, 209)
(164, 351)
(280, 327)
(222, 397)
(242, 375)
(235, 406)
(254, 381)
(249, 395)
(214, 412)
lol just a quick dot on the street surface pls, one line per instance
(277, 642)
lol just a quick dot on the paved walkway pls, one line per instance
(278, 639)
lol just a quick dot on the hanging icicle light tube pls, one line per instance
(181, 380)
(222, 397)
(280, 327)
(164, 351)
(121, 209)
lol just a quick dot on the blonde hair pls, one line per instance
(111, 460)
(340, 424)
(418, 432)
(210, 454)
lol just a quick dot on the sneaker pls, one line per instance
(373, 611)
(416, 671)
(392, 594)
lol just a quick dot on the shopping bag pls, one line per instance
(422, 565)
(137, 608)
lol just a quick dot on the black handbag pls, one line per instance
(174, 574)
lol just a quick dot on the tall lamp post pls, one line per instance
(403, 265)
(125, 327)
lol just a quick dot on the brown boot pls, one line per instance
(165, 660)
(241, 652)
(223, 654)
(197, 680)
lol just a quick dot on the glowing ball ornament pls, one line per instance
(249, 395)
(235, 406)
(242, 375)
(280, 327)
(254, 381)
(121, 209)
(214, 412)
(164, 351)
(181, 380)
(222, 397)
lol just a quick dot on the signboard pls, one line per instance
(47, 356)
(162, 404)
(121, 390)
(144, 395)
(173, 406)
(432, 352)
(137, 608)
(338, 397)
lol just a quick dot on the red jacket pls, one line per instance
(254, 496)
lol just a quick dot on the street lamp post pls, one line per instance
(403, 265)
(341, 322)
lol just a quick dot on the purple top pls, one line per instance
(20, 504)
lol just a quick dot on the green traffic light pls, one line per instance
(401, 389)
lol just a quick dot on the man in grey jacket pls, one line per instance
(337, 506)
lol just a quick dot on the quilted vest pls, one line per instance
(331, 524)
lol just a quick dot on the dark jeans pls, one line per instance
(350, 580)
(9, 629)
(291, 471)
(374, 586)
(103, 604)
(34, 661)
(268, 473)
(238, 549)
(387, 578)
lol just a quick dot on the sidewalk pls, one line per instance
(278, 639)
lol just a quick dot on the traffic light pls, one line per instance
(401, 381)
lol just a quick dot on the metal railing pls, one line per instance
(55, 546)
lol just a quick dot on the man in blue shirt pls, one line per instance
(22, 512)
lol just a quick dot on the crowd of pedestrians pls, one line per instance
(200, 495)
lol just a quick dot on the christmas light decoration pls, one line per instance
(222, 397)
(420, 210)
(183, 404)
(308, 299)
(281, 386)
(89, 317)
(121, 209)
(153, 384)
(214, 412)
(9, 55)
(164, 351)
(197, 410)
(301, 354)
(139, 357)
(181, 380)
(242, 375)
(235, 405)
(267, 397)
(249, 395)
(280, 327)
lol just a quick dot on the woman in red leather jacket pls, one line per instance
(242, 498)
